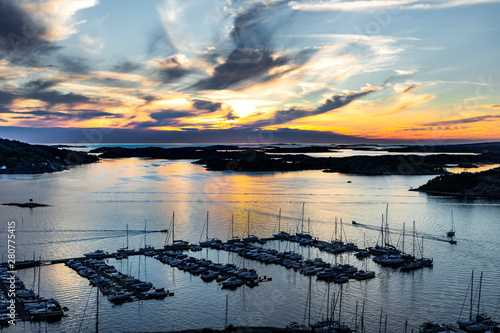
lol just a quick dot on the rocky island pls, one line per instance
(274, 158)
(22, 158)
(481, 184)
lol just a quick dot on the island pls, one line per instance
(484, 184)
(22, 158)
(29, 204)
(295, 158)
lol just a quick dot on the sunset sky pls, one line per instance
(249, 71)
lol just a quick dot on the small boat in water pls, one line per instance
(451, 233)
(157, 293)
(120, 296)
(95, 254)
(231, 282)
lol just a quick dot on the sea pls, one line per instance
(92, 206)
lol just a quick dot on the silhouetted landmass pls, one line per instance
(466, 184)
(26, 204)
(272, 158)
(22, 158)
(478, 148)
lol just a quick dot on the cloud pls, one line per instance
(171, 68)
(206, 105)
(6, 97)
(72, 115)
(125, 67)
(241, 66)
(366, 5)
(37, 85)
(335, 102)
(57, 16)
(20, 36)
(463, 121)
(55, 97)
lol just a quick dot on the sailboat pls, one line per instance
(281, 234)
(451, 233)
(481, 322)
(176, 244)
(234, 239)
(207, 242)
(147, 249)
(250, 238)
(45, 309)
(125, 250)
(303, 234)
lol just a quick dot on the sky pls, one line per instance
(248, 71)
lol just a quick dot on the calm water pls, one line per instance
(92, 205)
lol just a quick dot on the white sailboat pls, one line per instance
(125, 250)
(209, 242)
(451, 233)
(176, 244)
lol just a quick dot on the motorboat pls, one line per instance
(120, 296)
(157, 293)
(209, 275)
(231, 282)
(95, 254)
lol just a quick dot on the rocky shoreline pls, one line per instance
(485, 184)
(271, 158)
(22, 158)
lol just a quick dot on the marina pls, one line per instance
(147, 210)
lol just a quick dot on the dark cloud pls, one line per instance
(72, 64)
(169, 114)
(71, 115)
(21, 40)
(55, 97)
(337, 101)
(6, 97)
(37, 85)
(463, 121)
(409, 88)
(125, 67)
(171, 69)
(231, 115)
(111, 82)
(242, 65)
(253, 55)
(206, 105)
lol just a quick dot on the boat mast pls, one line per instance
(387, 240)
(479, 294)
(97, 303)
(279, 221)
(127, 236)
(302, 218)
(227, 300)
(341, 230)
(382, 231)
(232, 225)
(471, 290)
(248, 224)
(173, 227)
(328, 303)
(413, 241)
(145, 243)
(340, 303)
(403, 237)
(207, 225)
